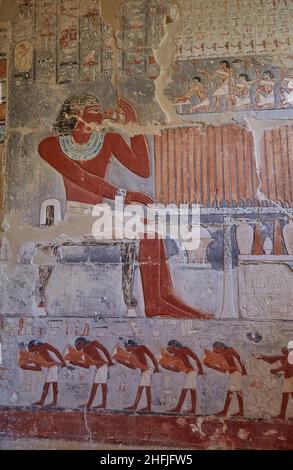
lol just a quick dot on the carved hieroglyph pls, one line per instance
(23, 56)
(215, 28)
(265, 290)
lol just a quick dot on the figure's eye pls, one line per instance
(95, 110)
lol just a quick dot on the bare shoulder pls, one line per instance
(143, 348)
(48, 143)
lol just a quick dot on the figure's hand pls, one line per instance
(275, 371)
(63, 364)
(111, 364)
(157, 370)
(201, 372)
(257, 356)
(128, 111)
(140, 198)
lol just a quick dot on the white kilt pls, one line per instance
(288, 385)
(190, 381)
(235, 384)
(102, 375)
(146, 378)
(52, 375)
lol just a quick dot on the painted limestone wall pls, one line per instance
(174, 102)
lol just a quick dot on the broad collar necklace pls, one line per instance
(82, 152)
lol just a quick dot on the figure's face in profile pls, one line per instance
(171, 349)
(79, 347)
(217, 349)
(267, 76)
(92, 113)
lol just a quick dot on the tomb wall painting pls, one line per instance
(230, 84)
(147, 325)
(3, 101)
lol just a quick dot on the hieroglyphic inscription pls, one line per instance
(215, 28)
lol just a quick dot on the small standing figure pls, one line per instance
(224, 78)
(91, 356)
(135, 356)
(286, 91)
(177, 358)
(265, 92)
(226, 360)
(242, 92)
(287, 369)
(38, 357)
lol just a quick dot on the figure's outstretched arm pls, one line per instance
(135, 156)
(104, 351)
(152, 357)
(126, 364)
(237, 356)
(172, 369)
(270, 359)
(196, 359)
(50, 152)
(218, 369)
(84, 365)
(276, 371)
(32, 367)
(56, 352)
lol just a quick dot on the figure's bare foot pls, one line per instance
(166, 309)
(175, 410)
(52, 405)
(131, 408)
(99, 407)
(238, 415)
(187, 310)
(40, 404)
(86, 407)
(222, 414)
(190, 412)
(280, 416)
(145, 410)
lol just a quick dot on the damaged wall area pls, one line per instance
(145, 101)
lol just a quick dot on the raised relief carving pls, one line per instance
(265, 290)
(23, 57)
(268, 246)
(288, 237)
(3, 94)
(68, 47)
(24, 37)
(198, 256)
(238, 28)
(245, 237)
(46, 35)
(229, 83)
